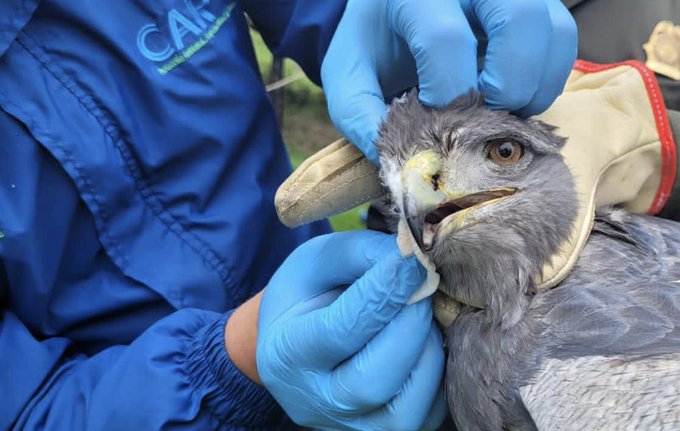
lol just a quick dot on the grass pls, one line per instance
(349, 220)
(306, 126)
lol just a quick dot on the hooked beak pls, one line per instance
(432, 211)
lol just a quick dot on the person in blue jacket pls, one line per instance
(139, 156)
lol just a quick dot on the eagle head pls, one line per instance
(486, 195)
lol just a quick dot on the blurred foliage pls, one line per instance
(306, 126)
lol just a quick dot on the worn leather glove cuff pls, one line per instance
(620, 149)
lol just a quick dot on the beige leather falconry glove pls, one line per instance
(620, 150)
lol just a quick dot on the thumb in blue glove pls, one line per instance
(382, 47)
(358, 358)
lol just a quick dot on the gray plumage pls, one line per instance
(599, 351)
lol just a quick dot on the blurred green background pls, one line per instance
(306, 126)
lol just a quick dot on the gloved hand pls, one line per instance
(357, 358)
(382, 47)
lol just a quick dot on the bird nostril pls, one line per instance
(435, 182)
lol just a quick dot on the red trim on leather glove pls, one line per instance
(668, 152)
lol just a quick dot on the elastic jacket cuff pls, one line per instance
(232, 397)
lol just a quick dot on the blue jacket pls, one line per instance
(139, 156)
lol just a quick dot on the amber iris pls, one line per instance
(505, 151)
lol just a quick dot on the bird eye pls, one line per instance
(505, 152)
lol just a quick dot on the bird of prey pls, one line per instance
(488, 199)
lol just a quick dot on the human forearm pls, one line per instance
(240, 337)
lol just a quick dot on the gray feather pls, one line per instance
(515, 363)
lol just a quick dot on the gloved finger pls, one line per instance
(386, 361)
(358, 109)
(411, 407)
(348, 74)
(518, 34)
(443, 45)
(563, 47)
(438, 412)
(321, 264)
(340, 330)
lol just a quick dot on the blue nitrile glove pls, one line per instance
(358, 358)
(382, 47)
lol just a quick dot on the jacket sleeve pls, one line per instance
(175, 375)
(298, 29)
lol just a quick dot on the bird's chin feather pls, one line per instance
(485, 266)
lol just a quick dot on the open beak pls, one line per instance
(452, 215)
(432, 211)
